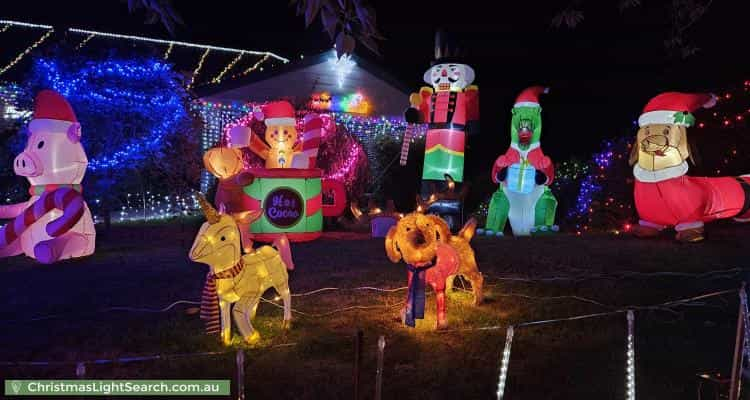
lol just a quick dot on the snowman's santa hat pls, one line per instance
(529, 97)
(277, 113)
(52, 113)
(675, 108)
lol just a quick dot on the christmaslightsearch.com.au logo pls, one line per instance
(30, 387)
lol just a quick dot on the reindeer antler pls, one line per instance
(212, 216)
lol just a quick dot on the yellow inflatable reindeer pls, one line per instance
(236, 279)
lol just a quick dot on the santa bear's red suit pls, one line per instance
(666, 197)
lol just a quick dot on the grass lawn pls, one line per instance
(147, 267)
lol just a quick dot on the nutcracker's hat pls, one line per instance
(447, 50)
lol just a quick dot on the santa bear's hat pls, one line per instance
(277, 113)
(52, 113)
(675, 108)
(529, 97)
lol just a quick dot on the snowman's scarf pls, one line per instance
(66, 199)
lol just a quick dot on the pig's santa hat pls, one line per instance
(276, 113)
(675, 108)
(52, 113)
(529, 97)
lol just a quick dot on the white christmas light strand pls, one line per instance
(169, 51)
(255, 66)
(630, 354)
(84, 41)
(198, 68)
(226, 69)
(504, 363)
(27, 51)
(177, 43)
(25, 24)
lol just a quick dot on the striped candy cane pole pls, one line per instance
(310, 143)
(408, 134)
(66, 199)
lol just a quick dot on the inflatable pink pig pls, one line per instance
(55, 223)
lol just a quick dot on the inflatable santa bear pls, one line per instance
(447, 107)
(55, 223)
(524, 174)
(664, 195)
(281, 148)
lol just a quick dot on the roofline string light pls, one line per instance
(25, 24)
(168, 51)
(171, 43)
(198, 68)
(226, 69)
(84, 41)
(23, 54)
(254, 66)
(177, 43)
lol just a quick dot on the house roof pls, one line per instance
(299, 79)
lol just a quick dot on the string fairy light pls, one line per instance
(226, 69)
(24, 24)
(83, 43)
(27, 51)
(177, 43)
(169, 51)
(198, 68)
(5, 28)
(630, 354)
(255, 66)
(143, 88)
(504, 363)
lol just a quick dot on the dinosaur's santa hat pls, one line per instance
(675, 108)
(529, 97)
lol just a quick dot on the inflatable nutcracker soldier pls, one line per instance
(447, 107)
(524, 174)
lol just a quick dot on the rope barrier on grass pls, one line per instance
(123, 360)
(663, 307)
(720, 274)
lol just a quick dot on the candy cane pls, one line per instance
(408, 133)
(66, 199)
(309, 143)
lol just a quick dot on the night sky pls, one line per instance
(601, 73)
